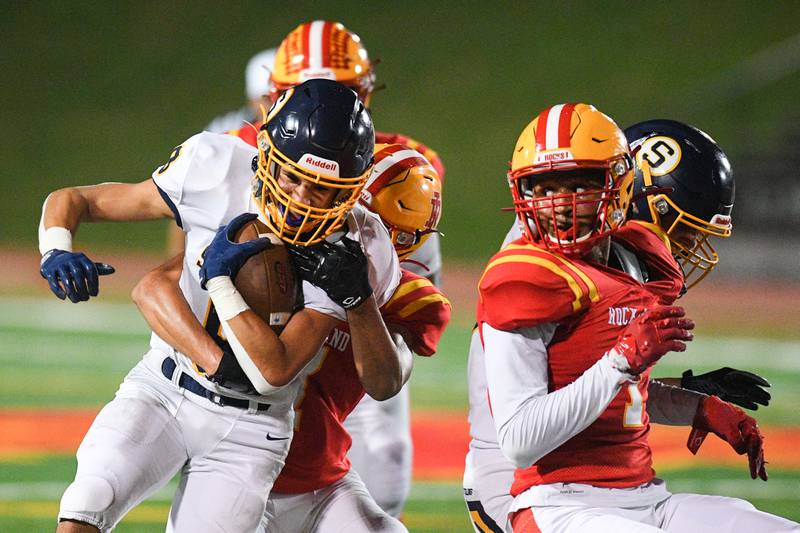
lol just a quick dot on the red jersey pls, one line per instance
(525, 286)
(249, 135)
(318, 454)
(650, 243)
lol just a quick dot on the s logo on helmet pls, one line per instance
(662, 154)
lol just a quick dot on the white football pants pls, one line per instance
(343, 506)
(382, 451)
(152, 430)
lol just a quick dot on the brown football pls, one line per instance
(266, 281)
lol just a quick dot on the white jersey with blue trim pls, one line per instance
(207, 182)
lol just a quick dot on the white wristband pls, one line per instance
(54, 238)
(226, 298)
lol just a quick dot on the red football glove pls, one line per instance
(731, 424)
(651, 335)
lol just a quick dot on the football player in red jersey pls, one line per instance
(569, 343)
(381, 450)
(702, 167)
(317, 490)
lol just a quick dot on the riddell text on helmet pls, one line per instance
(316, 163)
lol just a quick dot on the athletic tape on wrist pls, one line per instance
(226, 298)
(54, 238)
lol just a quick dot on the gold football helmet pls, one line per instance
(323, 49)
(560, 141)
(405, 191)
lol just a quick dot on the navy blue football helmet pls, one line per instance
(684, 184)
(319, 133)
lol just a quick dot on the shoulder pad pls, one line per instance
(421, 309)
(524, 285)
(247, 133)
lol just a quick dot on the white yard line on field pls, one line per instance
(55, 315)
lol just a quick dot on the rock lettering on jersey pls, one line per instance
(338, 340)
(621, 316)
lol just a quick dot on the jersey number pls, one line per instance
(634, 414)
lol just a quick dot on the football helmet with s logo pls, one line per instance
(684, 184)
(404, 189)
(562, 141)
(322, 49)
(320, 135)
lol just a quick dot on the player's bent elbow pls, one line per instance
(521, 456)
(143, 291)
(384, 391)
(275, 380)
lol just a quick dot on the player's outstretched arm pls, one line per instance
(72, 275)
(164, 307)
(383, 360)
(671, 405)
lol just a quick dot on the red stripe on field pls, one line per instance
(440, 441)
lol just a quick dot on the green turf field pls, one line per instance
(59, 355)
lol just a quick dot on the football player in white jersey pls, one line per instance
(221, 414)
(381, 451)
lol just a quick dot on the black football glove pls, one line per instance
(72, 275)
(223, 257)
(230, 375)
(740, 387)
(341, 270)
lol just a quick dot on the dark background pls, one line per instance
(102, 92)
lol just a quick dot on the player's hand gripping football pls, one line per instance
(340, 269)
(652, 335)
(72, 275)
(223, 257)
(739, 387)
(731, 424)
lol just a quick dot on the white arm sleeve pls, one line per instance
(531, 422)
(671, 406)
(229, 304)
(248, 366)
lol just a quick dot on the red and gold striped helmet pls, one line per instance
(563, 139)
(322, 49)
(404, 189)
